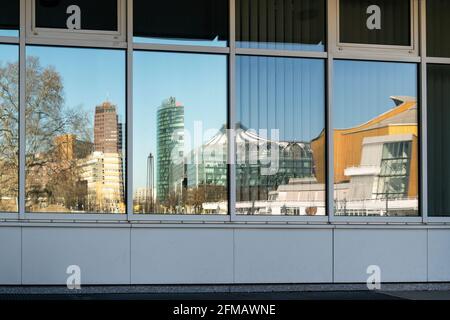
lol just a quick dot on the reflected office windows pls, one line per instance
(180, 134)
(281, 24)
(9, 18)
(280, 136)
(181, 22)
(438, 116)
(75, 130)
(375, 132)
(9, 127)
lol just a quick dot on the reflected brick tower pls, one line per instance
(104, 169)
(107, 129)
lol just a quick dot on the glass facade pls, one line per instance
(375, 132)
(75, 120)
(99, 15)
(9, 128)
(437, 26)
(280, 168)
(438, 113)
(180, 134)
(226, 109)
(281, 24)
(9, 18)
(180, 22)
(375, 22)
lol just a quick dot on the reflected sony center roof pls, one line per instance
(245, 135)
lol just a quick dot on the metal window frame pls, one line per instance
(367, 53)
(381, 50)
(332, 53)
(9, 40)
(427, 60)
(36, 34)
(12, 41)
(169, 48)
(275, 218)
(57, 39)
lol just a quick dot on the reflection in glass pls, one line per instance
(377, 22)
(375, 139)
(9, 18)
(438, 117)
(99, 15)
(280, 167)
(438, 25)
(9, 124)
(180, 137)
(181, 22)
(75, 108)
(281, 24)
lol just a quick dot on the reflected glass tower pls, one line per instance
(170, 139)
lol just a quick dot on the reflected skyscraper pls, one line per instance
(103, 169)
(149, 192)
(107, 129)
(170, 140)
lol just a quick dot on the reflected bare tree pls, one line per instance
(9, 139)
(52, 170)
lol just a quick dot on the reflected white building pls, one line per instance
(104, 177)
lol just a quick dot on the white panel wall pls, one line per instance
(438, 255)
(213, 255)
(103, 255)
(401, 254)
(180, 255)
(10, 255)
(283, 256)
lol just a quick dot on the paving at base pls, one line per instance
(315, 295)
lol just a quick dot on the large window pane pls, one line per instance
(281, 24)
(381, 22)
(75, 120)
(280, 167)
(375, 139)
(9, 18)
(9, 133)
(194, 22)
(438, 140)
(438, 25)
(180, 137)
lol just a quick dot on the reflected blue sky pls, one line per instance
(197, 81)
(8, 54)
(281, 46)
(282, 93)
(90, 76)
(362, 89)
(272, 93)
(9, 33)
(186, 42)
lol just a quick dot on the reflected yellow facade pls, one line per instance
(348, 143)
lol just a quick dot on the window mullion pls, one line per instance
(22, 108)
(129, 111)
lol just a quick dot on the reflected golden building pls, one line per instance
(68, 147)
(361, 154)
